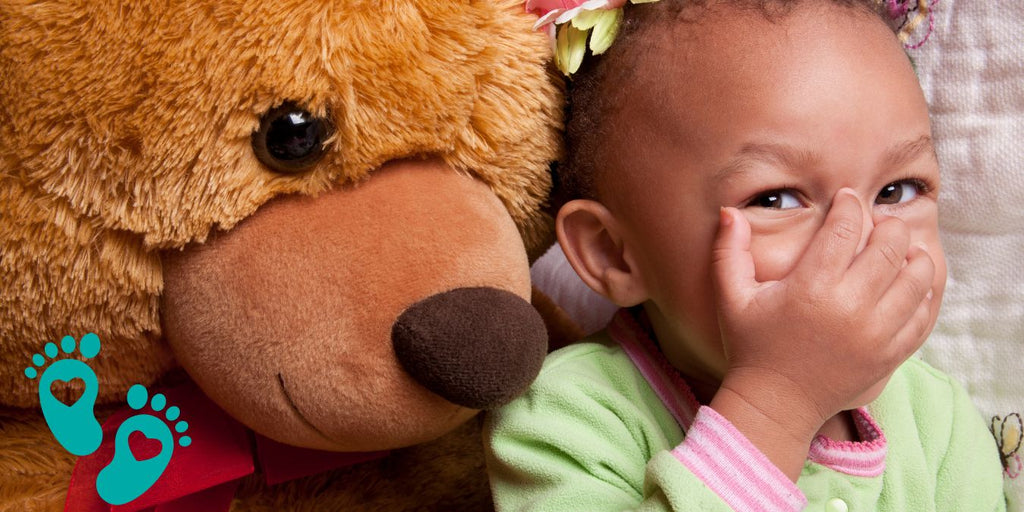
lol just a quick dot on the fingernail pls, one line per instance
(724, 217)
(923, 246)
(928, 296)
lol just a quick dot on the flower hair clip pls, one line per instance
(572, 24)
(910, 17)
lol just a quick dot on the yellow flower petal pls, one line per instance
(562, 48)
(572, 44)
(605, 30)
(586, 20)
(1011, 434)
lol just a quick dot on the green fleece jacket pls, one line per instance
(609, 426)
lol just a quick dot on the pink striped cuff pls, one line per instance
(734, 469)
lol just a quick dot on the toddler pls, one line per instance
(754, 182)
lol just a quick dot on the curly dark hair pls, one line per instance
(594, 94)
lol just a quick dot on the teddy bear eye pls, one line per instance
(290, 139)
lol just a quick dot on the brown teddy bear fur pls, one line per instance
(125, 129)
(125, 144)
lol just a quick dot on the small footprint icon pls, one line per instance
(74, 426)
(126, 477)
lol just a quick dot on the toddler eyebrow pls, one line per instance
(786, 156)
(905, 152)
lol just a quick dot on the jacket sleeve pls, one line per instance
(581, 439)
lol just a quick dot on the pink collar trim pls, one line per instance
(667, 383)
(858, 458)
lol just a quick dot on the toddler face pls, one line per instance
(771, 117)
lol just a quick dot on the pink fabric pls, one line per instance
(858, 458)
(663, 378)
(731, 466)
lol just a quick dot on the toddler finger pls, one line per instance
(882, 259)
(913, 333)
(732, 265)
(911, 286)
(835, 244)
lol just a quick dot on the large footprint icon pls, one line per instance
(74, 426)
(126, 477)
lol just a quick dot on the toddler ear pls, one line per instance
(592, 241)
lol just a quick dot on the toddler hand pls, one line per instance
(804, 348)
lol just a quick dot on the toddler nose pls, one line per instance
(475, 347)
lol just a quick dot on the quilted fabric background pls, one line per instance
(972, 72)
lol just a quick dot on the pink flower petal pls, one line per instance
(542, 7)
(567, 15)
(547, 19)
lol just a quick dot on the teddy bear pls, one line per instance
(245, 243)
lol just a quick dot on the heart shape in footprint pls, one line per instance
(68, 392)
(142, 446)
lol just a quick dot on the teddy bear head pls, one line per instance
(322, 211)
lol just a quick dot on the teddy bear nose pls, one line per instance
(475, 347)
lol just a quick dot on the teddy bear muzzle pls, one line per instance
(476, 347)
(313, 322)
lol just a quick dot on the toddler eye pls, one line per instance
(898, 192)
(776, 200)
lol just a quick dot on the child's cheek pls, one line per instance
(777, 246)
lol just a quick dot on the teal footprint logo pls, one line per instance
(126, 477)
(74, 426)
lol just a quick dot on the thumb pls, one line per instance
(732, 265)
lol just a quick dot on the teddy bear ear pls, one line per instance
(290, 139)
